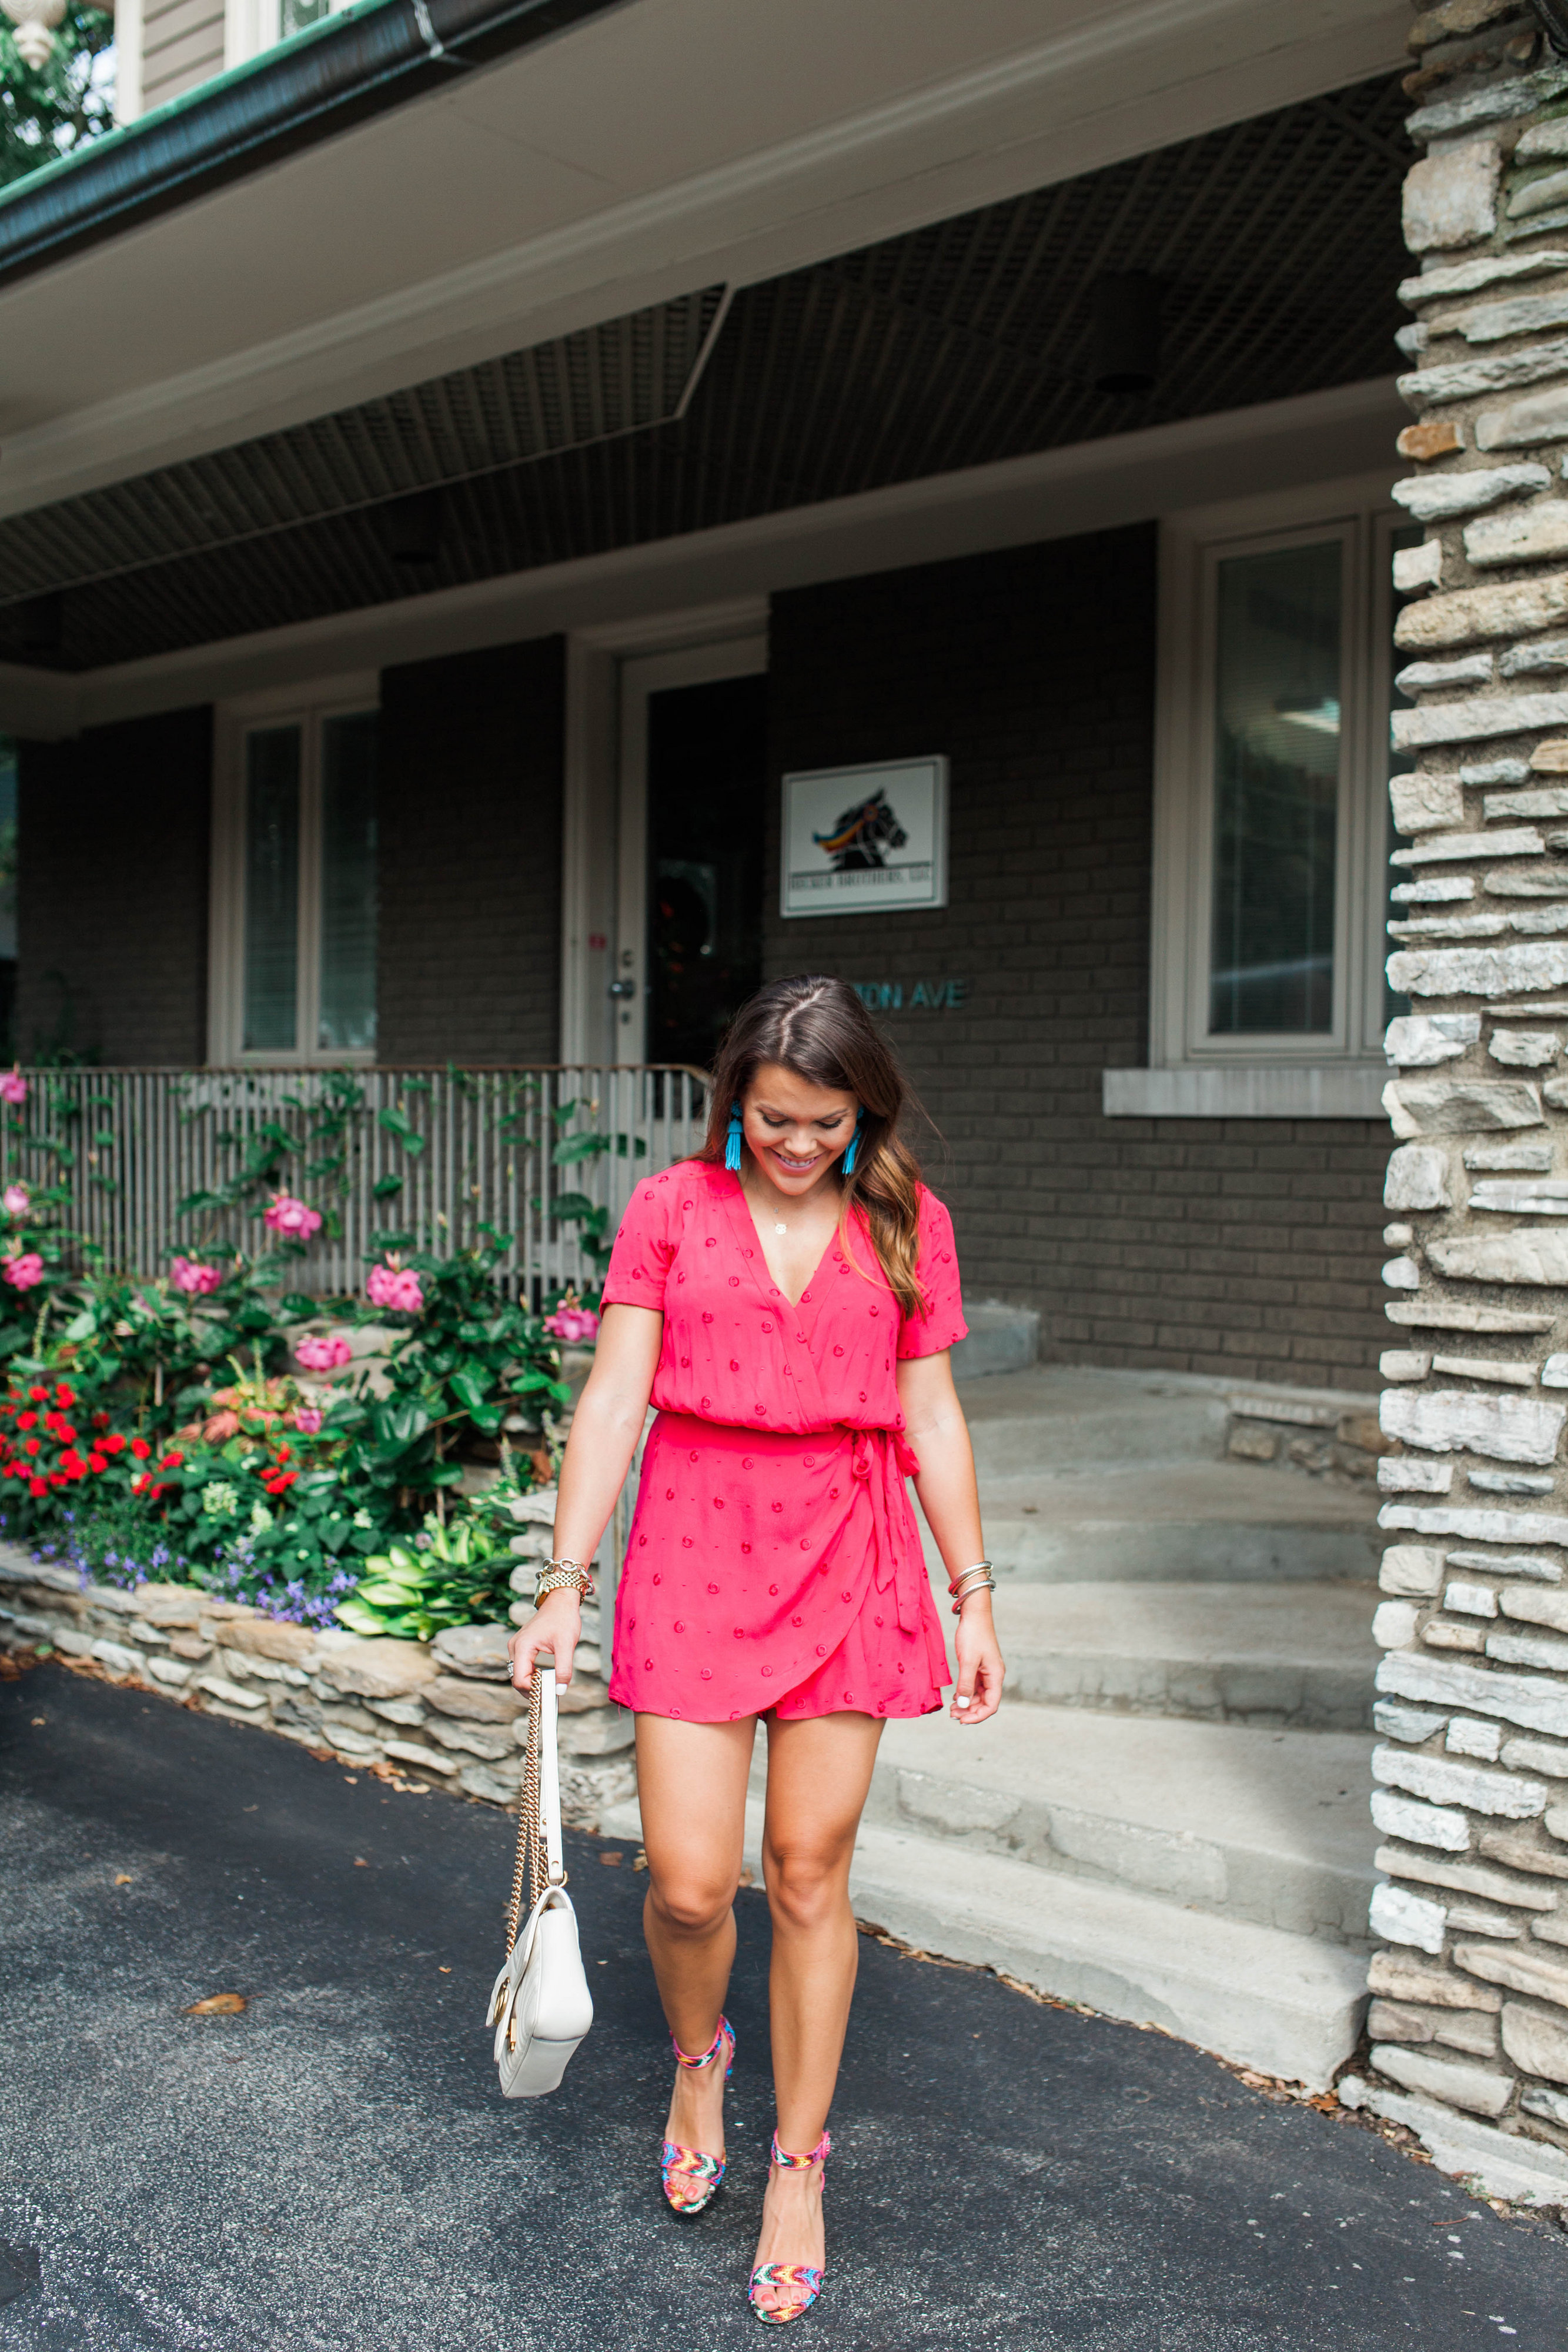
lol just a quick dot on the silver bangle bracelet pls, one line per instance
(989, 1586)
(978, 1579)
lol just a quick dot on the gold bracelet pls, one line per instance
(564, 1576)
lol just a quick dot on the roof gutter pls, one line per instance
(362, 62)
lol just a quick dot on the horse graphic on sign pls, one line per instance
(861, 833)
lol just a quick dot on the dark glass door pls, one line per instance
(706, 795)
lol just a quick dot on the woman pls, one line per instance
(786, 1300)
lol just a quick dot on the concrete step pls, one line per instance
(1056, 1416)
(1286, 2003)
(1178, 1522)
(1001, 1340)
(1267, 1827)
(1291, 1656)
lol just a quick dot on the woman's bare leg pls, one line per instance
(818, 1771)
(691, 1783)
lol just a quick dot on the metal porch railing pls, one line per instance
(441, 1152)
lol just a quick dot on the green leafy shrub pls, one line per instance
(449, 1575)
(222, 1461)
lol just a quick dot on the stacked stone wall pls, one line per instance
(441, 1715)
(1470, 2015)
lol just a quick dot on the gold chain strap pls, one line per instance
(531, 1857)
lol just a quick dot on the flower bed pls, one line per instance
(219, 1426)
(316, 1515)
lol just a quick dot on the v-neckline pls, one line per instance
(742, 1204)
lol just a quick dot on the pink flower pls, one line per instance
(323, 1352)
(16, 1200)
(394, 1286)
(24, 1270)
(195, 1279)
(13, 1086)
(286, 1215)
(572, 1324)
(306, 1418)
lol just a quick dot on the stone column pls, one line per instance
(1469, 2014)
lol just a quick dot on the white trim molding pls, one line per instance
(609, 673)
(1291, 1072)
(1331, 1090)
(306, 705)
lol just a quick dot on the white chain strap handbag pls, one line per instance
(541, 2006)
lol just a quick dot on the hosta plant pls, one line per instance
(448, 1575)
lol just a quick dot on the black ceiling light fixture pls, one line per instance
(1125, 332)
(411, 527)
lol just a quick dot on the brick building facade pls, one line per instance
(1247, 1247)
(1243, 1248)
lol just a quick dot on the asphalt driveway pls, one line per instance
(334, 2167)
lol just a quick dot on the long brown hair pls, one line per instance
(819, 1029)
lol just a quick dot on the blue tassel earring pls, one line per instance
(732, 1139)
(854, 1144)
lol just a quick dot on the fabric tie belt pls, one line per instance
(882, 1458)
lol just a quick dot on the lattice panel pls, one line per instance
(1275, 242)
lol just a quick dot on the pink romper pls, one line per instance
(774, 1565)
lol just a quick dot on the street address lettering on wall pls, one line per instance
(869, 840)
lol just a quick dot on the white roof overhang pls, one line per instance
(666, 145)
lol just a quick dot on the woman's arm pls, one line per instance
(604, 1432)
(951, 1502)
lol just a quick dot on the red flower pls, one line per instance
(115, 1445)
(101, 1421)
(139, 1448)
(64, 1431)
(64, 1395)
(96, 1462)
(33, 1445)
(39, 1396)
(26, 1420)
(171, 1461)
(37, 1485)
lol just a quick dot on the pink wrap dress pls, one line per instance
(774, 1564)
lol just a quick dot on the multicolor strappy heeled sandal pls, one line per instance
(803, 2280)
(691, 2178)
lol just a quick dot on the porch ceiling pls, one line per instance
(947, 347)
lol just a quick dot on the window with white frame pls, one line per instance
(1271, 767)
(251, 26)
(294, 896)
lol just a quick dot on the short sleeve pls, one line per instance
(644, 1249)
(936, 1270)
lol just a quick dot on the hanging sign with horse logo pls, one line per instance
(865, 840)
